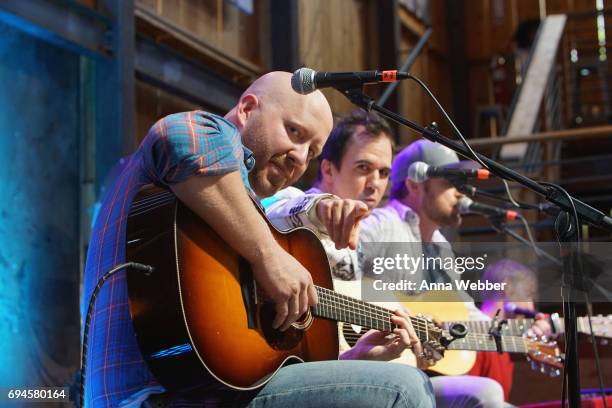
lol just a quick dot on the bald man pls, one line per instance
(211, 164)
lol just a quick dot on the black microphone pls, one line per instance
(306, 80)
(466, 205)
(420, 171)
(471, 191)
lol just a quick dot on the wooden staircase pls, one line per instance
(559, 124)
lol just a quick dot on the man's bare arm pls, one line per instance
(223, 202)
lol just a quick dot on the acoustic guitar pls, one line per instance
(199, 316)
(460, 355)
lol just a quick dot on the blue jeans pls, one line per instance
(467, 391)
(346, 383)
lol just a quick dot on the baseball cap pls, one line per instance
(431, 153)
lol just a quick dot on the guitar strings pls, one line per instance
(347, 308)
(142, 206)
(345, 304)
(473, 341)
(373, 311)
(152, 198)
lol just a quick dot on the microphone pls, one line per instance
(420, 171)
(512, 309)
(306, 80)
(466, 205)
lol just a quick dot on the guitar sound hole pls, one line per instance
(277, 339)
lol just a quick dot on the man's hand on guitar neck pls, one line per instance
(341, 218)
(382, 346)
(541, 327)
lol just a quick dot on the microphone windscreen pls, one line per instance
(302, 81)
(464, 205)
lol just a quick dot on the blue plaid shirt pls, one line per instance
(177, 147)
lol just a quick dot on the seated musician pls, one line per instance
(210, 163)
(356, 166)
(415, 214)
(520, 290)
(351, 181)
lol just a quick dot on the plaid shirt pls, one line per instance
(176, 147)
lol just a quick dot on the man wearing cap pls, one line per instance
(414, 215)
(416, 211)
(414, 218)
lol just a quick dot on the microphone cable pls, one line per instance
(147, 269)
(574, 216)
(458, 133)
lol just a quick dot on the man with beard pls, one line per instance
(413, 217)
(416, 211)
(212, 163)
(353, 174)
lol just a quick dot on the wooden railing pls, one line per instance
(548, 167)
(556, 135)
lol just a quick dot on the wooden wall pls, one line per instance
(341, 35)
(431, 67)
(334, 36)
(218, 24)
(153, 104)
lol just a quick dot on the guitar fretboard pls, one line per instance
(472, 342)
(512, 327)
(342, 308)
(486, 342)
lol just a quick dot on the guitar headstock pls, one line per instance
(602, 327)
(544, 356)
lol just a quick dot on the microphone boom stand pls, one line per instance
(499, 226)
(584, 211)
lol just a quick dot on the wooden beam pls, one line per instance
(388, 46)
(410, 22)
(284, 35)
(458, 66)
(170, 34)
(566, 134)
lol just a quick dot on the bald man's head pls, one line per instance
(284, 129)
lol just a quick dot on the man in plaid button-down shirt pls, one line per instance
(264, 144)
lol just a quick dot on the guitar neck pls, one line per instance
(512, 327)
(518, 327)
(342, 308)
(485, 342)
